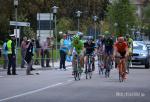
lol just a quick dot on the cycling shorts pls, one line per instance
(109, 50)
(122, 54)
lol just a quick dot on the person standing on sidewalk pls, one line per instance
(45, 52)
(23, 51)
(63, 52)
(5, 55)
(11, 55)
(29, 55)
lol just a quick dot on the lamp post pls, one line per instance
(95, 19)
(54, 12)
(115, 24)
(78, 15)
(133, 31)
(127, 26)
(16, 16)
(16, 19)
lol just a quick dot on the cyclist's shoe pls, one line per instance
(124, 76)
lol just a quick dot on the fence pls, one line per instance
(51, 52)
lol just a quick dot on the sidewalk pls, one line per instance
(38, 67)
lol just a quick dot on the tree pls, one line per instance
(147, 19)
(121, 13)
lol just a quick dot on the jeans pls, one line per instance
(5, 65)
(62, 59)
(23, 52)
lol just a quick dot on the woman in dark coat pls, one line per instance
(28, 57)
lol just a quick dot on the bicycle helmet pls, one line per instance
(106, 33)
(75, 37)
(127, 36)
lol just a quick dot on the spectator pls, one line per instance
(23, 51)
(11, 55)
(29, 55)
(37, 50)
(5, 55)
(45, 52)
(63, 52)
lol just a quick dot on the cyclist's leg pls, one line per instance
(93, 63)
(74, 63)
(124, 64)
(85, 62)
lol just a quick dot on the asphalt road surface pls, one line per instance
(60, 86)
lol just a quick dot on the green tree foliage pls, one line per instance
(122, 13)
(147, 18)
(28, 9)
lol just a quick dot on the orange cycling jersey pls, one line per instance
(121, 46)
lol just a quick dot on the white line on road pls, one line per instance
(31, 92)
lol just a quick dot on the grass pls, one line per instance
(19, 56)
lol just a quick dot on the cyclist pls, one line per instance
(100, 44)
(130, 43)
(130, 47)
(108, 42)
(121, 49)
(89, 46)
(100, 52)
(77, 50)
(108, 52)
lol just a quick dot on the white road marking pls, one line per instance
(31, 92)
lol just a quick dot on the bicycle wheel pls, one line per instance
(100, 66)
(121, 75)
(128, 67)
(90, 74)
(108, 67)
(79, 75)
(75, 75)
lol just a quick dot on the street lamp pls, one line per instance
(127, 26)
(78, 15)
(95, 19)
(54, 12)
(16, 18)
(133, 31)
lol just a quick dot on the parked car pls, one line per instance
(140, 54)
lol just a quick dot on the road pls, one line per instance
(59, 86)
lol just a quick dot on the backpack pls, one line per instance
(5, 47)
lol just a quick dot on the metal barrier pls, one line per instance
(52, 56)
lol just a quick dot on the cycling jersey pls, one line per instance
(109, 46)
(78, 46)
(99, 42)
(121, 46)
(130, 44)
(89, 47)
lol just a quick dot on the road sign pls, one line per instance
(24, 24)
(45, 16)
(17, 32)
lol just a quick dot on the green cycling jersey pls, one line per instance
(78, 45)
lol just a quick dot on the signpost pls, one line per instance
(24, 24)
